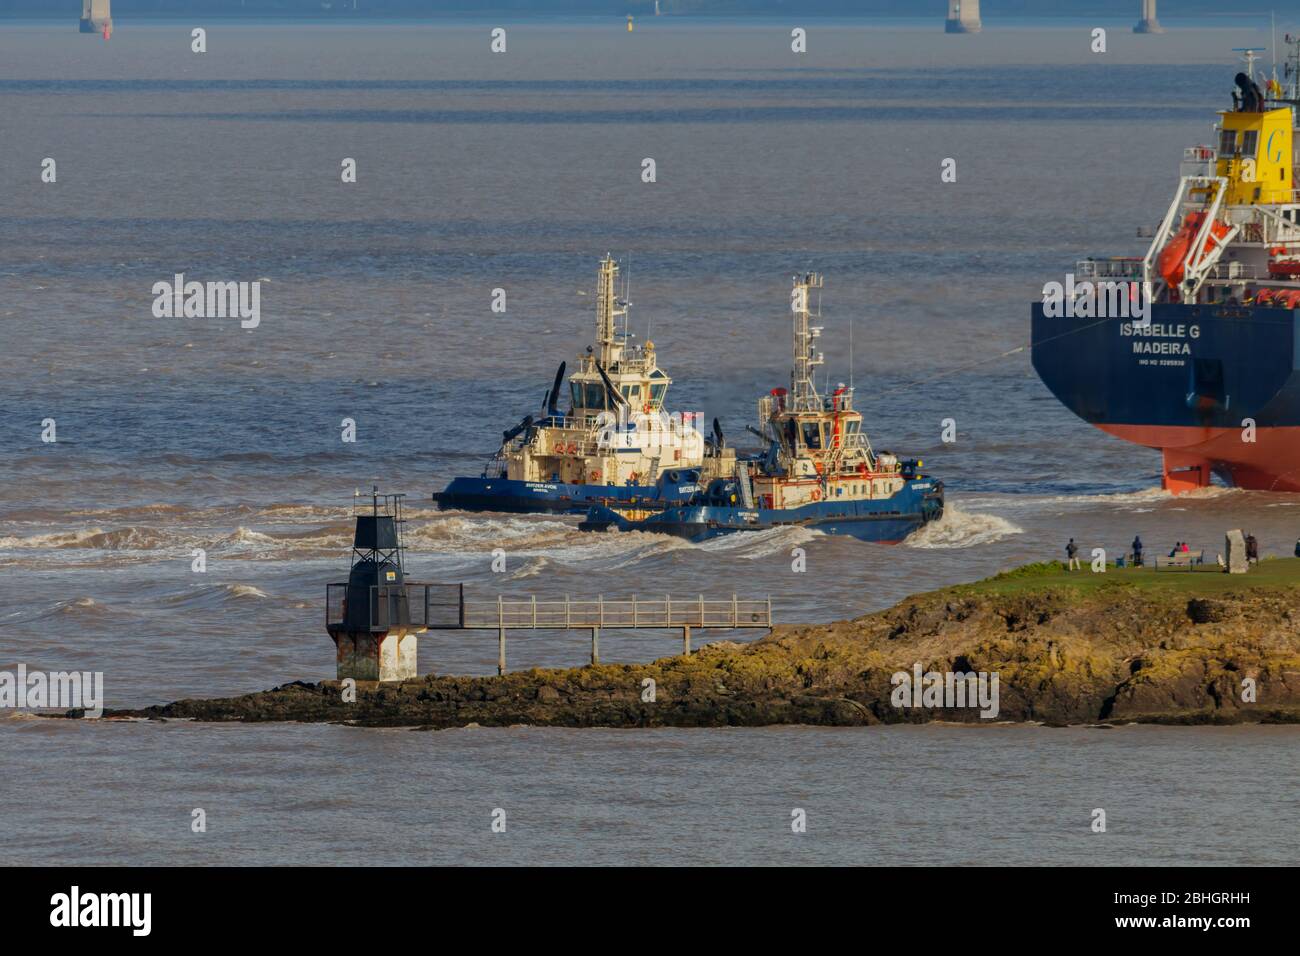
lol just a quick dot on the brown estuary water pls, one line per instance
(478, 171)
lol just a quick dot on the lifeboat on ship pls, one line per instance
(1173, 257)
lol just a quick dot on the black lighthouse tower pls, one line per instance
(370, 616)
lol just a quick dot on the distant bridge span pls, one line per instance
(964, 17)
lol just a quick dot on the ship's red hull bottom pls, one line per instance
(1269, 462)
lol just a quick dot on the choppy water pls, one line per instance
(518, 171)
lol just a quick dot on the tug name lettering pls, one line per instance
(211, 300)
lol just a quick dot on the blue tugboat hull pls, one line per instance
(887, 520)
(531, 497)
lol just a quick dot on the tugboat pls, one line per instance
(615, 444)
(818, 471)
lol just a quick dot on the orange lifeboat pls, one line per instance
(1174, 254)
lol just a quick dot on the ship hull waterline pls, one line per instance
(883, 521)
(1215, 389)
(537, 497)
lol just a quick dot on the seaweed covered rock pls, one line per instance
(1066, 649)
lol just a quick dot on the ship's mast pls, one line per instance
(1249, 54)
(803, 392)
(607, 313)
(1291, 71)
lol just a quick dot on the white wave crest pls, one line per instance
(751, 545)
(245, 591)
(91, 539)
(962, 529)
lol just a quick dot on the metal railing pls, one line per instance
(1120, 268)
(415, 605)
(619, 613)
(1198, 161)
(1234, 270)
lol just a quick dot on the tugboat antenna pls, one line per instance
(850, 353)
(627, 298)
(803, 388)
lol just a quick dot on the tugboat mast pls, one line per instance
(803, 390)
(607, 312)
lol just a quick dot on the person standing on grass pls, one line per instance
(1072, 554)
(1137, 551)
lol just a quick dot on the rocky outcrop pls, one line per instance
(1062, 655)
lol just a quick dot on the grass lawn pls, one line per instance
(1206, 579)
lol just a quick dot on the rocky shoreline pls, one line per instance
(1122, 649)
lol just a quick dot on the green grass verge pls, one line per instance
(1207, 579)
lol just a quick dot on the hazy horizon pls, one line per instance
(331, 9)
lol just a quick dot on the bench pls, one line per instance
(1183, 559)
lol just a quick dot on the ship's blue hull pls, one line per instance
(529, 497)
(887, 520)
(1215, 387)
(1195, 366)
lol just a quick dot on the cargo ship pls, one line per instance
(818, 470)
(1194, 348)
(616, 442)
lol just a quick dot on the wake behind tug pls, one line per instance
(819, 470)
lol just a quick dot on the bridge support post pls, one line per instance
(686, 640)
(96, 17)
(963, 17)
(501, 651)
(1148, 23)
(595, 645)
